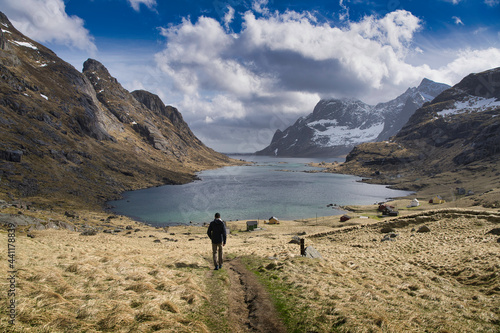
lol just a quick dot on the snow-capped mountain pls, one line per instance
(459, 131)
(337, 125)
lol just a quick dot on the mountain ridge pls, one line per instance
(337, 125)
(80, 138)
(451, 140)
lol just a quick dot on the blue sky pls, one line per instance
(239, 69)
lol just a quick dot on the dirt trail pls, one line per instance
(250, 308)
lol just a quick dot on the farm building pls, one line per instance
(437, 200)
(274, 220)
(252, 225)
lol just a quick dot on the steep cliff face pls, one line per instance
(460, 129)
(337, 125)
(81, 137)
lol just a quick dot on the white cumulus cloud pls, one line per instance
(47, 21)
(228, 17)
(279, 65)
(136, 4)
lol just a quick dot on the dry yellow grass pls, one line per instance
(443, 281)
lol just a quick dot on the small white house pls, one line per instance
(414, 203)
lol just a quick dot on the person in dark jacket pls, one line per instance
(217, 233)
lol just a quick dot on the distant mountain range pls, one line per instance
(338, 125)
(459, 131)
(80, 137)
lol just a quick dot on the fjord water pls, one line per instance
(270, 187)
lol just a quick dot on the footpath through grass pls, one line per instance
(291, 300)
(215, 310)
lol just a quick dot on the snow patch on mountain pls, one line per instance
(345, 136)
(471, 104)
(337, 125)
(25, 44)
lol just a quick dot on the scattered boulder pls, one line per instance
(30, 235)
(18, 220)
(424, 228)
(495, 231)
(386, 230)
(311, 252)
(11, 155)
(36, 226)
(389, 237)
(21, 204)
(52, 225)
(71, 215)
(90, 232)
(67, 226)
(295, 240)
(129, 227)
(157, 241)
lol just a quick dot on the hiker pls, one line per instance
(217, 233)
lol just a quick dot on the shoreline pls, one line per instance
(322, 211)
(104, 210)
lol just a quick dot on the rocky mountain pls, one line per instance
(337, 125)
(459, 131)
(80, 137)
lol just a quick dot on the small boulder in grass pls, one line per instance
(386, 230)
(90, 232)
(424, 228)
(311, 252)
(495, 231)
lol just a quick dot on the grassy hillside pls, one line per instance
(144, 279)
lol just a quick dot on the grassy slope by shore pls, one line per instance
(161, 280)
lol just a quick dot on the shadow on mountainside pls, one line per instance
(239, 303)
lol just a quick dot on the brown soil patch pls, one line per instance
(250, 307)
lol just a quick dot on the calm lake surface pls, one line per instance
(271, 187)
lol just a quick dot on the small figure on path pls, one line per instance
(217, 233)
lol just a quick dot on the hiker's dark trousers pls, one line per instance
(217, 247)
